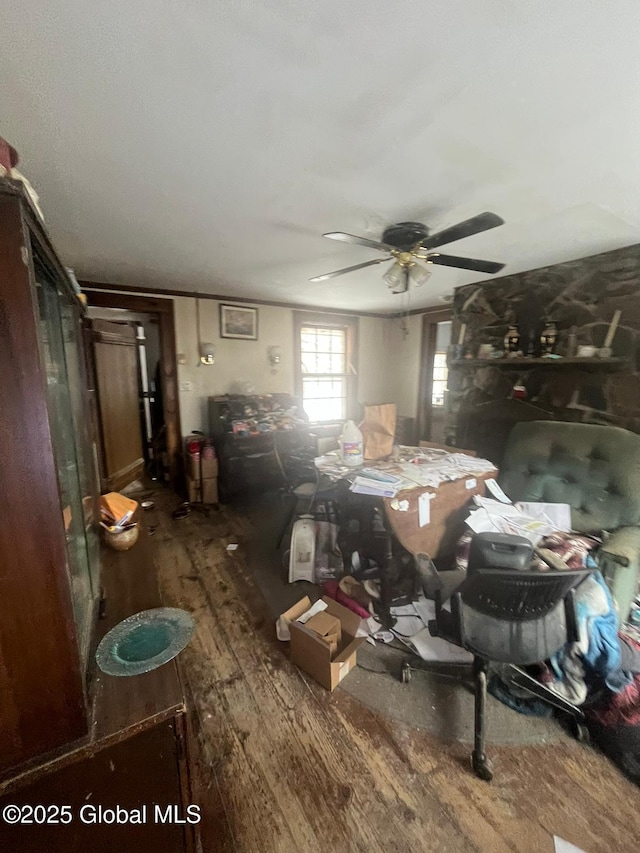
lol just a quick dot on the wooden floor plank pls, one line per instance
(285, 766)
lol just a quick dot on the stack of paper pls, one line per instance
(368, 486)
(534, 521)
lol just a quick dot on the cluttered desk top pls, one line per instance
(425, 492)
(410, 468)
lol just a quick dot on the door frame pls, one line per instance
(163, 310)
(430, 322)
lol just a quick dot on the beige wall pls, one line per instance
(246, 361)
(402, 363)
(235, 361)
(388, 363)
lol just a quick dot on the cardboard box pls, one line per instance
(201, 469)
(193, 490)
(209, 468)
(312, 654)
(193, 466)
(328, 628)
(209, 491)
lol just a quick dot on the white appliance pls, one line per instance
(302, 556)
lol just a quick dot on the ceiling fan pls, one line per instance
(409, 243)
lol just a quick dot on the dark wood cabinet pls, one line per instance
(69, 734)
(48, 537)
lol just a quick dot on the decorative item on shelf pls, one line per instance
(512, 340)
(587, 351)
(275, 357)
(519, 390)
(548, 338)
(605, 349)
(456, 351)
(485, 351)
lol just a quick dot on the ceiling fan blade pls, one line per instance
(465, 263)
(475, 225)
(349, 269)
(361, 241)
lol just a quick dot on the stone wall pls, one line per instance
(581, 298)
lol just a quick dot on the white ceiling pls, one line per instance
(207, 146)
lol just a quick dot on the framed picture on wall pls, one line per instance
(238, 322)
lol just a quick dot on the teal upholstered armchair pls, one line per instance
(596, 470)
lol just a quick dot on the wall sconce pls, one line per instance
(207, 353)
(207, 350)
(275, 357)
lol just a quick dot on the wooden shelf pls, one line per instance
(591, 364)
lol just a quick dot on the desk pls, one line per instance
(448, 511)
(448, 507)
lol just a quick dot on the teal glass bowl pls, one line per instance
(145, 641)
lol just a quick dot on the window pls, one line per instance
(325, 376)
(439, 384)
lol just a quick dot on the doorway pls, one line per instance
(436, 338)
(132, 341)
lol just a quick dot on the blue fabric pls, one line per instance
(602, 658)
(603, 654)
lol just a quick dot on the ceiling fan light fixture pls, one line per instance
(419, 275)
(395, 277)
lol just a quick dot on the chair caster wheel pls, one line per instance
(405, 673)
(482, 767)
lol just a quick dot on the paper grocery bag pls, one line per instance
(378, 430)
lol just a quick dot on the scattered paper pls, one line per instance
(367, 486)
(318, 607)
(562, 846)
(407, 626)
(232, 547)
(416, 466)
(435, 648)
(424, 508)
(496, 491)
(492, 516)
(558, 515)
(381, 476)
(400, 506)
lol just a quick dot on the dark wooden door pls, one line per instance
(431, 408)
(116, 365)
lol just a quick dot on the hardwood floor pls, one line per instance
(286, 766)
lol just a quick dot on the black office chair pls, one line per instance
(516, 616)
(303, 486)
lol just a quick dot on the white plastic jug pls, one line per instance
(351, 445)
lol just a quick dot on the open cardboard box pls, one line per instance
(312, 654)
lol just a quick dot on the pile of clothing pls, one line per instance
(600, 672)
